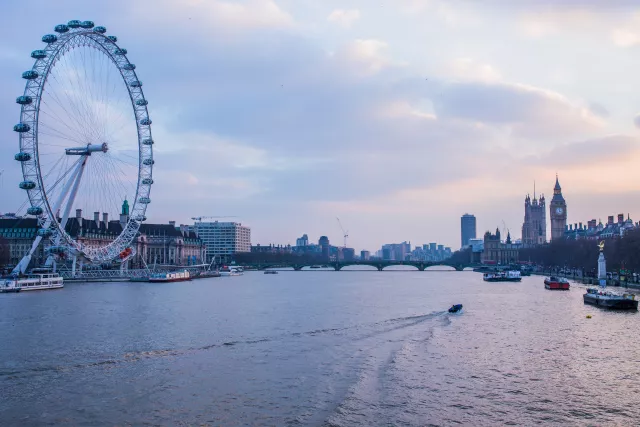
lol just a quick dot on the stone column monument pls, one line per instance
(602, 266)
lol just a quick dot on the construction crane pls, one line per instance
(345, 234)
(200, 218)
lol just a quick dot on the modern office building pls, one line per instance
(223, 239)
(467, 229)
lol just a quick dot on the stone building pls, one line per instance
(534, 228)
(498, 252)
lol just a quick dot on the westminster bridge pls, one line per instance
(337, 266)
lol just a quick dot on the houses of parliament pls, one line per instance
(534, 228)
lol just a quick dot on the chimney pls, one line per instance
(79, 213)
(610, 220)
(620, 218)
(580, 226)
(105, 219)
(96, 216)
(172, 223)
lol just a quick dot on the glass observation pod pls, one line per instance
(147, 181)
(30, 75)
(120, 51)
(61, 28)
(148, 162)
(38, 54)
(129, 67)
(113, 38)
(27, 185)
(34, 210)
(74, 23)
(22, 157)
(50, 38)
(24, 100)
(145, 121)
(86, 24)
(141, 102)
(45, 232)
(147, 141)
(144, 200)
(22, 127)
(135, 83)
(141, 218)
(100, 30)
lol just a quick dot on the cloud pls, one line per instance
(591, 152)
(636, 121)
(364, 56)
(467, 69)
(344, 18)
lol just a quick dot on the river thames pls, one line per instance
(318, 349)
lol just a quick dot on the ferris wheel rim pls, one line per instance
(70, 36)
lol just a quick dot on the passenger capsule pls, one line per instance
(34, 210)
(147, 141)
(50, 38)
(38, 54)
(141, 102)
(141, 218)
(74, 24)
(100, 30)
(135, 83)
(145, 122)
(22, 127)
(144, 200)
(61, 28)
(120, 51)
(148, 162)
(147, 181)
(30, 75)
(24, 100)
(22, 157)
(113, 38)
(129, 67)
(86, 24)
(45, 232)
(27, 185)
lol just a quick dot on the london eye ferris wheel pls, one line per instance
(80, 144)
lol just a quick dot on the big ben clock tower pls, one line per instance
(558, 212)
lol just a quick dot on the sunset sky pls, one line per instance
(396, 116)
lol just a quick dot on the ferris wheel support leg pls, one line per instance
(75, 180)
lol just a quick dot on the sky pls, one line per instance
(395, 116)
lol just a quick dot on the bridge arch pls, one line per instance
(440, 267)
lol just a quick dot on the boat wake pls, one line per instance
(354, 333)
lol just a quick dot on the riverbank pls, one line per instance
(591, 280)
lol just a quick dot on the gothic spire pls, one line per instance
(557, 187)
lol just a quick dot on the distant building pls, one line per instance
(302, 241)
(348, 254)
(467, 229)
(272, 249)
(558, 210)
(534, 228)
(223, 239)
(325, 248)
(365, 255)
(595, 230)
(498, 252)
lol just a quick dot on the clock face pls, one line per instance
(559, 211)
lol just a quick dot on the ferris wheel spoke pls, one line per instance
(62, 106)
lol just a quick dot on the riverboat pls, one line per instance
(176, 276)
(37, 280)
(270, 272)
(231, 271)
(556, 283)
(502, 276)
(606, 299)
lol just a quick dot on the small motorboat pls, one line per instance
(455, 308)
(270, 272)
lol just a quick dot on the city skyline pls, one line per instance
(291, 124)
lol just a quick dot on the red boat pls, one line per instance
(556, 283)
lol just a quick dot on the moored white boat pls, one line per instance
(175, 276)
(231, 271)
(35, 281)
